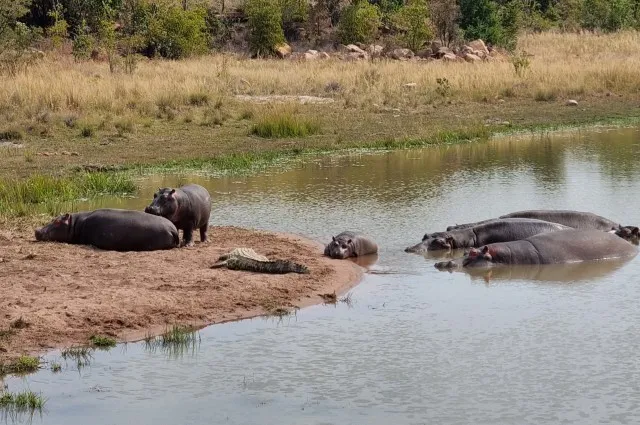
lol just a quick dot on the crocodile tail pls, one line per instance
(285, 266)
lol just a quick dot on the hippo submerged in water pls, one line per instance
(350, 244)
(504, 230)
(576, 219)
(561, 247)
(187, 207)
(113, 230)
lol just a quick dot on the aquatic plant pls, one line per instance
(102, 341)
(175, 341)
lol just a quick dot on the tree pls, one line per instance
(359, 23)
(480, 19)
(444, 16)
(57, 31)
(15, 37)
(413, 21)
(265, 26)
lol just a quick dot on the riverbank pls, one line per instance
(64, 294)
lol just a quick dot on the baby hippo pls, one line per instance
(187, 207)
(350, 244)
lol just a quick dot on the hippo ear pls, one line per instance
(449, 239)
(426, 236)
(172, 192)
(349, 242)
(485, 250)
(333, 238)
(635, 231)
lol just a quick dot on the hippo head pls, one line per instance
(58, 230)
(340, 248)
(441, 243)
(164, 203)
(482, 257)
(629, 233)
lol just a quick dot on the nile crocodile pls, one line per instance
(247, 259)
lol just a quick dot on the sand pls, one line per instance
(67, 293)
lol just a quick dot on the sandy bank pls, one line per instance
(66, 293)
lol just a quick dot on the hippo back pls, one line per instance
(573, 245)
(575, 219)
(512, 229)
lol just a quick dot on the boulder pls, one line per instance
(283, 50)
(310, 56)
(479, 46)
(375, 50)
(312, 52)
(354, 56)
(435, 45)
(400, 54)
(450, 57)
(410, 85)
(470, 57)
(352, 48)
(572, 102)
(424, 53)
(323, 55)
(442, 51)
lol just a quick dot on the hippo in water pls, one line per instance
(113, 230)
(575, 219)
(561, 247)
(503, 230)
(350, 244)
(187, 207)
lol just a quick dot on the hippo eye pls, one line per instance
(344, 247)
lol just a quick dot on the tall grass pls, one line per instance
(561, 63)
(282, 125)
(22, 197)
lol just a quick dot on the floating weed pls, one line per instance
(283, 125)
(56, 367)
(347, 299)
(23, 365)
(23, 401)
(175, 341)
(81, 355)
(102, 341)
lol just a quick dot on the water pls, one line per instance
(418, 346)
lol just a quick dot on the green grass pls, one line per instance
(26, 196)
(56, 367)
(81, 355)
(102, 341)
(11, 134)
(24, 364)
(26, 401)
(284, 125)
(175, 341)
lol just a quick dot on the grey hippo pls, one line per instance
(561, 247)
(187, 207)
(575, 219)
(350, 244)
(503, 230)
(113, 230)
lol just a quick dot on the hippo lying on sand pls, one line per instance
(188, 208)
(503, 230)
(113, 230)
(350, 244)
(575, 219)
(561, 247)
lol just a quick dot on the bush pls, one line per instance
(479, 19)
(413, 21)
(83, 43)
(359, 23)
(175, 33)
(282, 125)
(294, 13)
(608, 15)
(444, 16)
(265, 26)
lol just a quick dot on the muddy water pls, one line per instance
(417, 346)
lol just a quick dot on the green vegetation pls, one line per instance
(359, 23)
(81, 355)
(175, 341)
(102, 341)
(413, 21)
(56, 367)
(265, 26)
(21, 402)
(24, 364)
(23, 197)
(283, 125)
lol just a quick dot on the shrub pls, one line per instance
(359, 23)
(444, 16)
(83, 43)
(479, 19)
(294, 13)
(283, 125)
(608, 15)
(58, 31)
(175, 33)
(265, 26)
(413, 21)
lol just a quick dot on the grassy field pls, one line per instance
(62, 118)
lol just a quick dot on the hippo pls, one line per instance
(350, 244)
(560, 247)
(575, 219)
(187, 207)
(502, 230)
(112, 230)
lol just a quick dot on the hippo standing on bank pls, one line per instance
(503, 230)
(113, 230)
(187, 207)
(561, 247)
(576, 219)
(350, 244)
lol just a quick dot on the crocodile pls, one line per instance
(248, 260)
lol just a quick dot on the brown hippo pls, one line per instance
(575, 219)
(561, 247)
(187, 207)
(113, 230)
(350, 244)
(502, 230)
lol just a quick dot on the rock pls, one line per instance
(450, 57)
(362, 46)
(410, 85)
(354, 56)
(312, 52)
(375, 50)
(323, 55)
(435, 46)
(352, 48)
(283, 50)
(424, 53)
(470, 57)
(479, 46)
(399, 54)
(572, 102)
(442, 51)
(309, 56)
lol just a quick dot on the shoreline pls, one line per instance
(120, 295)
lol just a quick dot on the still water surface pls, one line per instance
(417, 346)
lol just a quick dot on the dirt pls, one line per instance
(66, 293)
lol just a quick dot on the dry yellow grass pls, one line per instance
(561, 65)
